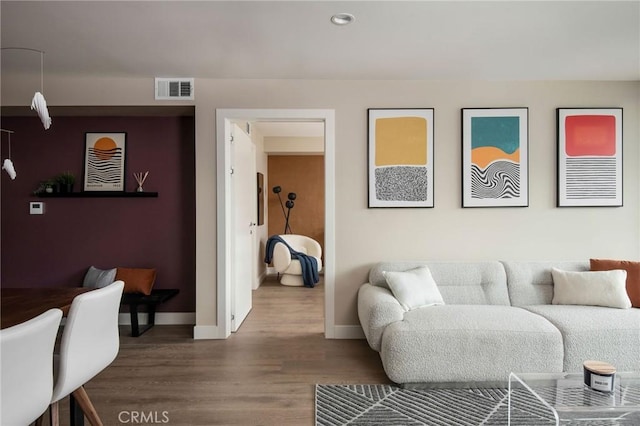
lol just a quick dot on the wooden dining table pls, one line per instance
(21, 304)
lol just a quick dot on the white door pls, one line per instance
(243, 213)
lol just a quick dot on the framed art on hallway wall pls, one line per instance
(589, 157)
(495, 157)
(104, 161)
(400, 157)
(260, 203)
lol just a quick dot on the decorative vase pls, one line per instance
(139, 189)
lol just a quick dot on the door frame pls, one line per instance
(224, 117)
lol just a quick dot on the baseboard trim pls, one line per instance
(259, 280)
(162, 318)
(212, 331)
(348, 332)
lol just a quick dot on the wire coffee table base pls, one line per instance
(567, 400)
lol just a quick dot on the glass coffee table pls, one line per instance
(565, 399)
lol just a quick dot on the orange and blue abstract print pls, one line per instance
(495, 168)
(495, 157)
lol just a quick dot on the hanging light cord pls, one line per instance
(8, 132)
(41, 71)
(41, 52)
(7, 164)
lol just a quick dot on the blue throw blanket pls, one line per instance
(309, 264)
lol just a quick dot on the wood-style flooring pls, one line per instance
(262, 375)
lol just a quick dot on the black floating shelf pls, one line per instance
(99, 194)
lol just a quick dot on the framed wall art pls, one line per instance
(104, 161)
(495, 157)
(589, 157)
(400, 157)
(260, 203)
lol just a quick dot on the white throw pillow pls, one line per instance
(98, 278)
(414, 288)
(595, 288)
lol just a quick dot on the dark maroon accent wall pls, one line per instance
(55, 249)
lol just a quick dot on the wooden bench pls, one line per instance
(134, 300)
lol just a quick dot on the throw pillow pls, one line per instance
(414, 288)
(633, 275)
(597, 288)
(137, 280)
(98, 278)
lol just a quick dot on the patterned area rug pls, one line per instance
(393, 406)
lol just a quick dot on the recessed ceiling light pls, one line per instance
(342, 18)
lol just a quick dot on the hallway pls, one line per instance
(288, 311)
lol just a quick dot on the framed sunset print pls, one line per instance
(589, 157)
(495, 157)
(400, 156)
(104, 156)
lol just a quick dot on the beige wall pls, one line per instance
(262, 233)
(365, 236)
(293, 145)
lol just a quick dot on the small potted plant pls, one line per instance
(66, 181)
(42, 188)
(50, 186)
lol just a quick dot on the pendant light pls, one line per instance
(38, 102)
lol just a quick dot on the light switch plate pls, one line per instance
(36, 207)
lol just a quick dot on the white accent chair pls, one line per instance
(290, 268)
(26, 353)
(90, 342)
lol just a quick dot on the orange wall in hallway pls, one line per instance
(304, 175)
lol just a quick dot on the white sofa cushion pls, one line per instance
(453, 343)
(595, 288)
(414, 288)
(595, 332)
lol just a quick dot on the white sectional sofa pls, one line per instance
(497, 317)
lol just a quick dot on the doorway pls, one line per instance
(225, 254)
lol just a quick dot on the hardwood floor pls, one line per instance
(262, 375)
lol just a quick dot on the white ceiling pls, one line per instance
(500, 40)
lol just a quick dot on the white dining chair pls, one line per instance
(90, 342)
(26, 368)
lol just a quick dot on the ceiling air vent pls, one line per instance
(174, 88)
